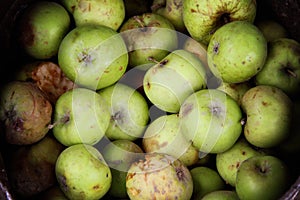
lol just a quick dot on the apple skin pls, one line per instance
(228, 162)
(168, 83)
(262, 177)
(203, 18)
(236, 52)
(221, 195)
(101, 12)
(148, 35)
(211, 119)
(205, 180)
(282, 66)
(42, 27)
(82, 173)
(268, 116)
(80, 116)
(93, 56)
(272, 29)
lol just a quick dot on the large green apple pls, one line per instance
(42, 26)
(168, 83)
(100, 12)
(129, 113)
(282, 67)
(93, 56)
(205, 180)
(228, 162)
(269, 112)
(221, 195)
(262, 177)
(148, 37)
(82, 173)
(211, 119)
(80, 116)
(203, 17)
(236, 52)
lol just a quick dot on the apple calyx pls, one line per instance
(216, 47)
(263, 168)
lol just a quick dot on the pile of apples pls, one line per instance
(162, 99)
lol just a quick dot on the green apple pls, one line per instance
(159, 176)
(228, 162)
(25, 112)
(53, 193)
(205, 180)
(211, 119)
(80, 116)
(203, 17)
(101, 12)
(42, 26)
(172, 10)
(168, 83)
(236, 52)
(282, 67)
(119, 155)
(262, 177)
(129, 113)
(148, 37)
(93, 56)
(221, 195)
(82, 173)
(268, 115)
(163, 135)
(235, 90)
(271, 29)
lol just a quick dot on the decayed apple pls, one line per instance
(93, 56)
(203, 18)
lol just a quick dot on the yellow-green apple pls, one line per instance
(42, 26)
(129, 113)
(148, 37)
(100, 12)
(93, 56)
(236, 52)
(262, 177)
(82, 172)
(282, 66)
(211, 120)
(80, 116)
(268, 115)
(203, 17)
(159, 176)
(205, 180)
(169, 82)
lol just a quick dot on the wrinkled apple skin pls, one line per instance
(159, 176)
(203, 18)
(42, 27)
(82, 173)
(268, 116)
(93, 56)
(25, 112)
(80, 116)
(236, 52)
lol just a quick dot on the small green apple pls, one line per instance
(42, 26)
(236, 52)
(163, 135)
(221, 195)
(271, 29)
(100, 12)
(80, 116)
(203, 18)
(282, 67)
(262, 177)
(148, 36)
(205, 180)
(93, 56)
(168, 83)
(129, 113)
(82, 173)
(228, 162)
(211, 119)
(268, 116)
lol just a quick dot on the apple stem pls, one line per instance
(291, 72)
(151, 58)
(139, 21)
